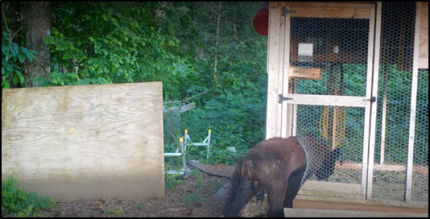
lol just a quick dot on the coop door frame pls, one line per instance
(281, 119)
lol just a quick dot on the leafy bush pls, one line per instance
(15, 200)
(170, 181)
(12, 56)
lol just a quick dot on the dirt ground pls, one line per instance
(198, 195)
(194, 197)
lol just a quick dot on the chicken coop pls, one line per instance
(355, 74)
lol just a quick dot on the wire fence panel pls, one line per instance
(392, 133)
(338, 66)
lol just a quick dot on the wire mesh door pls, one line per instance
(328, 93)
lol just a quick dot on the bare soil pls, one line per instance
(201, 195)
(194, 197)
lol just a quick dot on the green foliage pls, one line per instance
(115, 41)
(170, 181)
(116, 212)
(11, 59)
(15, 200)
(141, 206)
(174, 42)
(191, 198)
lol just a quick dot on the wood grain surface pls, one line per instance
(85, 142)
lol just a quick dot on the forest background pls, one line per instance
(206, 53)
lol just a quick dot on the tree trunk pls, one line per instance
(216, 41)
(234, 27)
(38, 27)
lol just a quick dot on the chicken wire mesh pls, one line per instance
(340, 50)
(393, 118)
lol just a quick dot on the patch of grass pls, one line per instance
(141, 206)
(170, 182)
(191, 199)
(199, 179)
(15, 200)
(116, 212)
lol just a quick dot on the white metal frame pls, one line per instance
(177, 154)
(185, 142)
(205, 143)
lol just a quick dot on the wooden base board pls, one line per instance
(303, 202)
(290, 212)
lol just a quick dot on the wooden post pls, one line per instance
(335, 110)
(413, 105)
(273, 55)
(384, 116)
(374, 51)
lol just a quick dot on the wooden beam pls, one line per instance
(371, 92)
(273, 56)
(384, 167)
(330, 12)
(360, 5)
(413, 109)
(327, 100)
(284, 63)
(331, 189)
(287, 109)
(290, 212)
(308, 73)
(321, 202)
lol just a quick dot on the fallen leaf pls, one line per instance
(188, 212)
(103, 200)
(99, 208)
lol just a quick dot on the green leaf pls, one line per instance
(6, 84)
(21, 58)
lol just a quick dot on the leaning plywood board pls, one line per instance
(85, 142)
(289, 212)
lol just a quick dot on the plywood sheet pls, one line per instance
(85, 142)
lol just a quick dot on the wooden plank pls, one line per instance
(353, 13)
(332, 189)
(424, 36)
(413, 108)
(340, 203)
(282, 75)
(384, 117)
(300, 72)
(272, 69)
(188, 107)
(286, 109)
(290, 212)
(367, 5)
(85, 142)
(423, 63)
(369, 109)
(327, 100)
(382, 167)
(356, 57)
